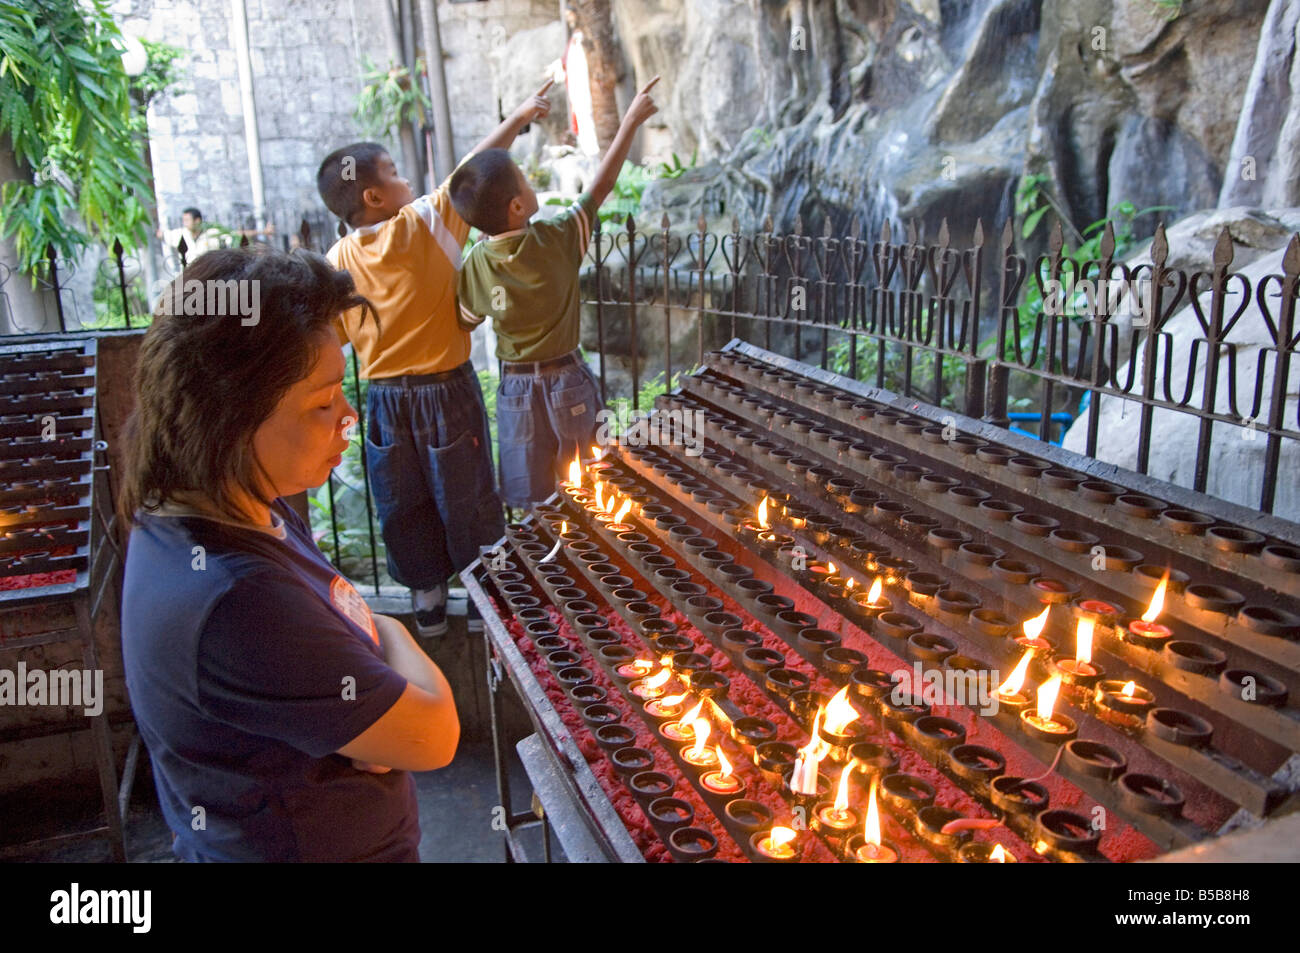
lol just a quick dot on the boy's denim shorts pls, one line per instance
(545, 412)
(429, 457)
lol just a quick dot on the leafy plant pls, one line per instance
(390, 98)
(674, 169)
(162, 74)
(1172, 8)
(66, 111)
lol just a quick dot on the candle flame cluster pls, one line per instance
(840, 713)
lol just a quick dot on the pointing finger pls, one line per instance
(650, 85)
(549, 84)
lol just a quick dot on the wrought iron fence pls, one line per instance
(926, 320)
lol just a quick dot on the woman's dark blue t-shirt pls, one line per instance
(249, 661)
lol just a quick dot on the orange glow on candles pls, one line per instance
(724, 766)
(701, 727)
(1016, 680)
(600, 498)
(1034, 627)
(1047, 693)
(672, 701)
(779, 841)
(873, 596)
(1083, 641)
(1157, 599)
(575, 471)
(1129, 688)
(762, 515)
(871, 826)
(839, 713)
(654, 681)
(842, 792)
(694, 713)
(622, 511)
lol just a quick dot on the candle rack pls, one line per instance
(744, 574)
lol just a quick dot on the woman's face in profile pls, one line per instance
(303, 438)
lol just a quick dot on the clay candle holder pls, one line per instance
(1041, 723)
(780, 845)
(1123, 704)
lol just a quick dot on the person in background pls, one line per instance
(428, 447)
(282, 716)
(525, 277)
(198, 239)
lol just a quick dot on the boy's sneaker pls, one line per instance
(430, 621)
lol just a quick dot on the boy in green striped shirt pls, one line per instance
(525, 277)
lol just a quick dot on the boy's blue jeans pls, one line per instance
(545, 412)
(429, 456)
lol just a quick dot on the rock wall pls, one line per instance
(925, 110)
(307, 74)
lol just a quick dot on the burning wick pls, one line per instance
(874, 850)
(1147, 629)
(683, 730)
(1041, 722)
(665, 707)
(1010, 689)
(839, 816)
(1033, 629)
(803, 780)
(779, 843)
(1126, 699)
(596, 453)
(697, 754)
(652, 687)
(721, 781)
(840, 713)
(762, 519)
(998, 855)
(575, 472)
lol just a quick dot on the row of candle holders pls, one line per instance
(841, 487)
(851, 410)
(1145, 794)
(987, 562)
(908, 798)
(1135, 642)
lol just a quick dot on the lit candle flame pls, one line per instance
(575, 471)
(830, 567)
(702, 729)
(622, 511)
(762, 514)
(1157, 599)
(850, 584)
(724, 766)
(1016, 680)
(609, 504)
(998, 855)
(596, 452)
(871, 826)
(564, 527)
(600, 498)
(840, 713)
(842, 792)
(780, 836)
(873, 596)
(1047, 693)
(654, 681)
(1034, 627)
(1129, 688)
(1083, 640)
(815, 742)
(642, 665)
(693, 713)
(672, 701)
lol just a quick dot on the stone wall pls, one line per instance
(306, 57)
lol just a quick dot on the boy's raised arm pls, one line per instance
(639, 110)
(534, 107)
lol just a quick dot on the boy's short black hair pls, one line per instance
(481, 189)
(345, 174)
(198, 216)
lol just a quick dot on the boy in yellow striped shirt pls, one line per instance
(428, 453)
